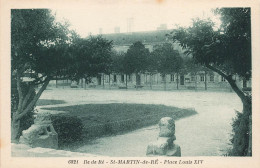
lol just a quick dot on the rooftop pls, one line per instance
(145, 37)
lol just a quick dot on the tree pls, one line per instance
(136, 60)
(226, 51)
(38, 48)
(92, 57)
(152, 66)
(168, 60)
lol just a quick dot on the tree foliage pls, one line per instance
(168, 60)
(39, 51)
(91, 56)
(229, 48)
(38, 42)
(118, 63)
(236, 28)
(136, 58)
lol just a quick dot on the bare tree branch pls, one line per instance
(28, 95)
(232, 83)
(19, 89)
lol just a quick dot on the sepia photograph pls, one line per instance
(144, 84)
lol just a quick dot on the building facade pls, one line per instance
(121, 43)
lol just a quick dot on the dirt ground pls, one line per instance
(204, 134)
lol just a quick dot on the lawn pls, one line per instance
(102, 119)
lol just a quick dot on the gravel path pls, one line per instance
(204, 134)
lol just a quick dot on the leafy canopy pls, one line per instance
(136, 58)
(92, 56)
(167, 59)
(228, 49)
(38, 43)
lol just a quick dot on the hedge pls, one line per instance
(69, 129)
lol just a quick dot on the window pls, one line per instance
(115, 78)
(122, 78)
(187, 79)
(192, 78)
(130, 78)
(202, 78)
(172, 77)
(107, 78)
(211, 78)
(163, 77)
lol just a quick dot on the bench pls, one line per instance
(122, 87)
(191, 87)
(92, 86)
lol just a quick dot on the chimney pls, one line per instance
(130, 25)
(162, 27)
(100, 30)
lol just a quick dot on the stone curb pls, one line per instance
(22, 150)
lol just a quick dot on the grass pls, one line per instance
(111, 119)
(96, 114)
(44, 102)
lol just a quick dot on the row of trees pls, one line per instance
(163, 59)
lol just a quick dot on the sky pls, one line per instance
(86, 20)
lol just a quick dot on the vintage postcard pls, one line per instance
(149, 83)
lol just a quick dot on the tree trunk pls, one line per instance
(164, 80)
(196, 81)
(56, 83)
(15, 129)
(247, 110)
(85, 85)
(177, 81)
(244, 83)
(246, 100)
(205, 80)
(126, 81)
(23, 108)
(81, 81)
(151, 81)
(137, 80)
(109, 81)
(103, 81)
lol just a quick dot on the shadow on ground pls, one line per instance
(45, 102)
